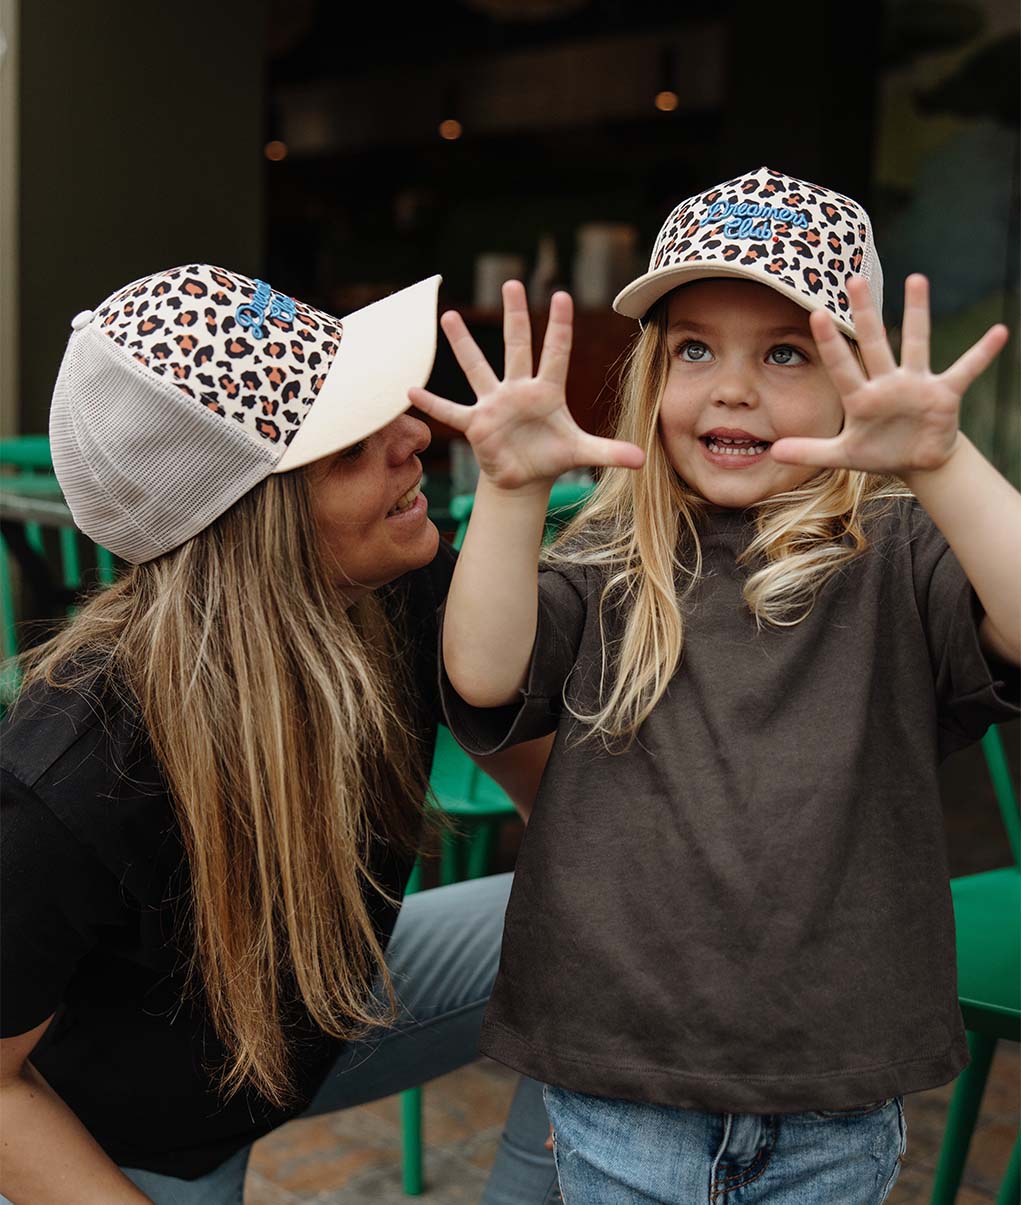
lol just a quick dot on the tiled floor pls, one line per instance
(353, 1158)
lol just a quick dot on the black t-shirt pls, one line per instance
(93, 879)
(749, 911)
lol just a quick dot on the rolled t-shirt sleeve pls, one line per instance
(973, 688)
(53, 894)
(560, 622)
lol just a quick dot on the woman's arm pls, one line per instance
(48, 1156)
(903, 419)
(524, 437)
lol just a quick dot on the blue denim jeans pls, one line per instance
(617, 1152)
(443, 958)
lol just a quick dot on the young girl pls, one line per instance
(729, 949)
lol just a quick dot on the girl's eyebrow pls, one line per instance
(771, 332)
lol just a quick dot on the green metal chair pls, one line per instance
(462, 790)
(987, 910)
(31, 503)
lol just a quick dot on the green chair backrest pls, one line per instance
(566, 499)
(30, 499)
(1003, 787)
(31, 452)
(459, 786)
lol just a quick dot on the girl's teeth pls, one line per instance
(727, 447)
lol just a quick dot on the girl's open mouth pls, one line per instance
(733, 452)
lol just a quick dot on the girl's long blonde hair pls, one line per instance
(641, 529)
(277, 717)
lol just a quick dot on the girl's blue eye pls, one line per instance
(694, 352)
(786, 355)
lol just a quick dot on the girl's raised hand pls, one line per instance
(900, 419)
(520, 428)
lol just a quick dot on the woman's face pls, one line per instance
(370, 510)
(744, 371)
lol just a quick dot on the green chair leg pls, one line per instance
(8, 632)
(411, 1099)
(1010, 1189)
(961, 1117)
(69, 559)
(34, 538)
(411, 1136)
(451, 857)
(105, 565)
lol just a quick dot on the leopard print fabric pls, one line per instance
(799, 238)
(229, 342)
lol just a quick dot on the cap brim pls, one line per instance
(635, 299)
(386, 348)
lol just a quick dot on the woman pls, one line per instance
(214, 777)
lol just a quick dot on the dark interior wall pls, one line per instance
(141, 147)
(805, 102)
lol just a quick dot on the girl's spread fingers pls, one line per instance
(451, 413)
(837, 358)
(556, 346)
(914, 337)
(517, 332)
(468, 354)
(821, 453)
(976, 359)
(872, 342)
(593, 450)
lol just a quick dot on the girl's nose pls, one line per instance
(405, 437)
(735, 387)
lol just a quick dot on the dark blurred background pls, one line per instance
(343, 151)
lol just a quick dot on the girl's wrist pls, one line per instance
(530, 492)
(918, 480)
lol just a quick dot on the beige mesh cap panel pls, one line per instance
(800, 239)
(142, 467)
(187, 388)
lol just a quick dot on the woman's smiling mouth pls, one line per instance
(407, 501)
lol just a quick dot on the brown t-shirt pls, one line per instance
(748, 911)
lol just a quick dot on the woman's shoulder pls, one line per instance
(53, 720)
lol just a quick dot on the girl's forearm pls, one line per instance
(49, 1157)
(979, 513)
(491, 612)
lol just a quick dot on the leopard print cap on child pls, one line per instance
(798, 238)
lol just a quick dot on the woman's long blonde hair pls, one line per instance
(277, 717)
(642, 530)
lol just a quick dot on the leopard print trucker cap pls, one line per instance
(802, 240)
(185, 389)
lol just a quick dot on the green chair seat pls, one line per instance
(987, 909)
